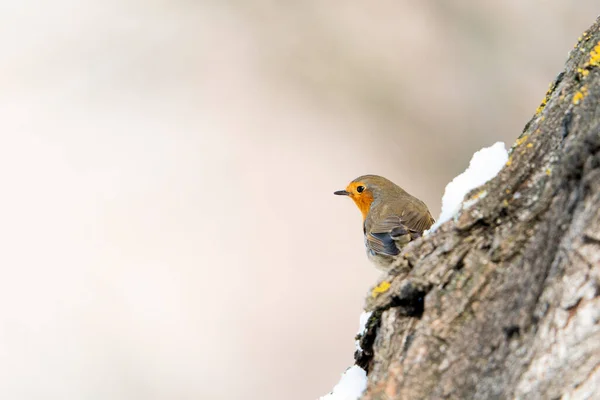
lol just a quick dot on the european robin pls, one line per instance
(391, 217)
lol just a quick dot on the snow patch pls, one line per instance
(485, 164)
(364, 318)
(351, 385)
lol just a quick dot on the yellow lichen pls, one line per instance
(593, 61)
(529, 145)
(549, 92)
(520, 141)
(579, 95)
(548, 172)
(381, 288)
(583, 72)
(595, 56)
(541, 107)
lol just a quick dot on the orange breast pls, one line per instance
(363, 202)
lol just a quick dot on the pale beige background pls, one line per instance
(167, 223)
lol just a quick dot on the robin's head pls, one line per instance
(365, 189)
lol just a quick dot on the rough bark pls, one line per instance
(503, 302)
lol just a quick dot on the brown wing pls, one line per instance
(417, 222)
(382, 236)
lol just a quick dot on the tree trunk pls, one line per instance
(503, 302)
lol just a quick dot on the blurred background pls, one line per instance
(167, 223)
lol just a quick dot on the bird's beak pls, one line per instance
(342, 193)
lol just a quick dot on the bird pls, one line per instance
(391, 217)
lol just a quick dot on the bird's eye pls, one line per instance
(360, 189)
